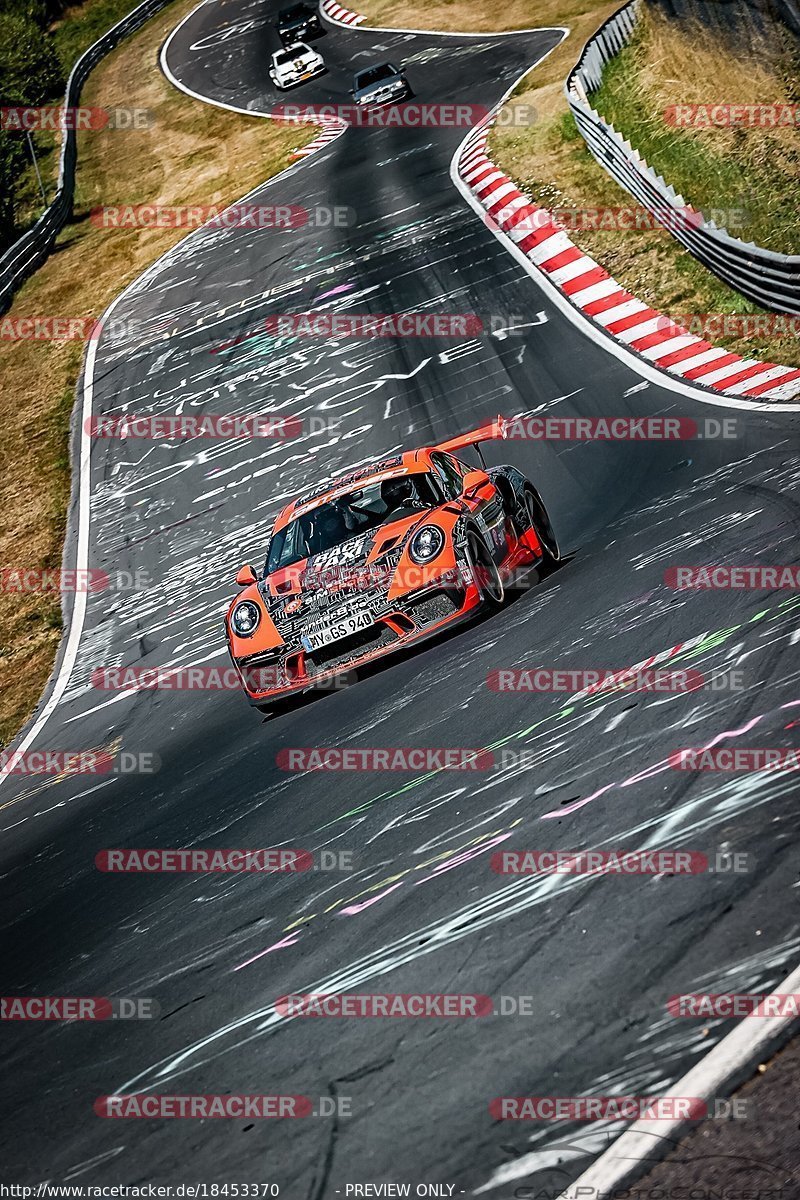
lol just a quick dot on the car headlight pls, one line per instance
(245, 619)
(426, 544)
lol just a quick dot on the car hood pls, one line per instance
(338, 569)
(301, 59)
(383, 85)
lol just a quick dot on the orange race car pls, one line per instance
(379, 559)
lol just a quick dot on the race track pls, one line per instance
(420, 911)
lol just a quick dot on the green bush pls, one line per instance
(30, 74)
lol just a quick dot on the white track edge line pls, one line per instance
(629, 358)
(436, 32)
(78, 615)
(632, 1154)
(61, 676)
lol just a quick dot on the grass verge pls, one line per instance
(77, 29)
(756, 168)
(550, 161)
(177, 161)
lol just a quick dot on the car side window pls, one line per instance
(449, 474)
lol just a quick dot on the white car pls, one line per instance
(295, 64)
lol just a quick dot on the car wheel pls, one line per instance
(539, 521)
(484, 571)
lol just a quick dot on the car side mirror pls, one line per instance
(246, 576)
(473, 482)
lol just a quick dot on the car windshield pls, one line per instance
(355, 512)
(375, 75)
(287, 56)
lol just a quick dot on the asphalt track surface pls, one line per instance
(420, 911)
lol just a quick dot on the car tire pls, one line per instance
(537, 518)
(485, 573)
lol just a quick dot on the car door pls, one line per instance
(483, 503)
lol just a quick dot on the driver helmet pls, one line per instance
(351, 519)
(396, 492)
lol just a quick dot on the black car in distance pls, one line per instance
(298, 23)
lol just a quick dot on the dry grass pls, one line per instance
(177, 161)
(551, 162)
(760, 166)
(466, 16)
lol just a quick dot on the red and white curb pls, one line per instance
(332, 127)
(342, 16)
(590, 288)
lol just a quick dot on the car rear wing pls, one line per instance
(486, 433)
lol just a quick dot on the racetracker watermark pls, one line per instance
(183, 425)
(205, 679)
(385, 1004)
(90, 579)
(208, 861)
(67, 329)
(628, 219)
(599, 862)
(737, 116)
(710, 578)
(78, 1008)
(619, 429)
(595, 680)
(735, 1004)
(616, 1108)
(152, 1105)
(31, 120)
(78, 762)
(734, 758)
(406, 115)
(397, 758)
(212, 216)
(366, 576)
(718, 325)
(360, 325)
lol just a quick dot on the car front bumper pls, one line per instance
(415, 618)
(295, 80)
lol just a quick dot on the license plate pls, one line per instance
(339, 629)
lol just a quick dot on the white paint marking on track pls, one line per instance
(633, 1152)
(78, 614)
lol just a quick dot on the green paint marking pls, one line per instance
(709, 642)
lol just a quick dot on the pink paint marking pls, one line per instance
(656, 768)
(287, 941)
(337, 291)
(560, 812)
(734, 732)
(648, 772)
(449, 863)
(353, 909)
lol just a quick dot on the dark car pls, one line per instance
(298, 24)
(381, 84)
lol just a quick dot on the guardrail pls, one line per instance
(769, 279)
(25, 255)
